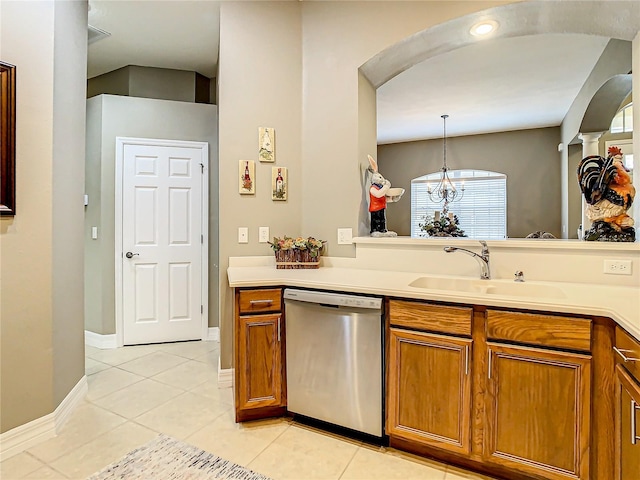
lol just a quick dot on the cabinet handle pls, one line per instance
(466, 360)
(489, 364)
(260, 302)
(623, 356)
(278, 329)
(634, 408)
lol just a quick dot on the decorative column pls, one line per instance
(589, 147)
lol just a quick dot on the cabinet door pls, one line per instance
(627, 426)
(538, 411)
(429, 390)
(259, 365)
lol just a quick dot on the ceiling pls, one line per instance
(494, 85)
(182, 35)
(491, 86)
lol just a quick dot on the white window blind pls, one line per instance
(482, 211)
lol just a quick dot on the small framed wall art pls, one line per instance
(7, 139)
(279, 183)
(267, 143)
(247, 177)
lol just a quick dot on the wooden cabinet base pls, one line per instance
(457, 460)
(258, 413)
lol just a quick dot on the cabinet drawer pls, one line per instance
(256, 301)
(537, 329)
(425, 316)
(628, 347)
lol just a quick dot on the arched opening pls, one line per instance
(516, 21)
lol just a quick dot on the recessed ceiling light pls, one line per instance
(484, 28)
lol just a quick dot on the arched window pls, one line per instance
(482, 212)
(623, 121)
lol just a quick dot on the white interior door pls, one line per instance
(163, 233)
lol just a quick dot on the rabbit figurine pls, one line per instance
(378, 201)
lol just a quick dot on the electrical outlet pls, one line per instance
(263, 234)
(345, 236)
(243, 235)
(617, 267)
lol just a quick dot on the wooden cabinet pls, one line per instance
(515, 394)
(429, 389)
(538, 411)
(429, 376)
(538, 402)
(627, 408)
(520, 409)
(259, 386)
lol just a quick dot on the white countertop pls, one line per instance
(622, 304)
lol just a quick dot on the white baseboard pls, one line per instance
(70, 402)
(100, 341)
(19, 439)
(105, 342)
(225, 377)
(213, 334)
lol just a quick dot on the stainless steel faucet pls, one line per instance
(483, 258)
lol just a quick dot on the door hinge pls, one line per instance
(201, 308)
(201, 238)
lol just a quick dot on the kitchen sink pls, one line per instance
(516, 289)
(488, 287)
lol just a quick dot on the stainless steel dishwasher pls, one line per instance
(334, 358)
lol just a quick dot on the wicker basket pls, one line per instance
(296, 259)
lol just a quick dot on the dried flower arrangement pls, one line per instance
(297, 252)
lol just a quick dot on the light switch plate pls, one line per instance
(345, 236)
(243, 234)
(263, 234)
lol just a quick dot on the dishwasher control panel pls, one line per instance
(335, 299)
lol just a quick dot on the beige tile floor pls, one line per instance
(135, 393)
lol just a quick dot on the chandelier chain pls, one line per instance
(446, 190)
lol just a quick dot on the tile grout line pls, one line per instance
(350, 460)
(268, 445)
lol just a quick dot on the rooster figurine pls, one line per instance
(608, 191)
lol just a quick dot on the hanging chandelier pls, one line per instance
(445, 191)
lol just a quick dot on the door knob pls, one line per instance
(130, 254)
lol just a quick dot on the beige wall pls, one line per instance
(69, 93)
(108, 117)
(575, 195)
(615, 59)
(151, 82)
(42, 350)
(260, 84)
(294, 66)
(529, 158)
(635, 210)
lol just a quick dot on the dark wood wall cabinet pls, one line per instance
(518, 395)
